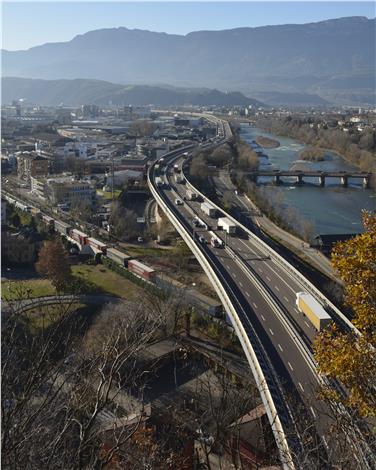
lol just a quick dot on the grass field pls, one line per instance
(102, 279)
(24, 289)
(106, 280)
(108, 194)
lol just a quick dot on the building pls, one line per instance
(67, 190)
(124, 176)
(63, 190)
(32, 165)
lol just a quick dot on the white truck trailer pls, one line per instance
(313, 310)
(208, 209)
(191, 195)
(227, 225)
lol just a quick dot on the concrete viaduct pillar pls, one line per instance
(322, 181)
(344, 181)
(277, 179)
(366, 182)
(299, 179)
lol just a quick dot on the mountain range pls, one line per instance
(86, 91)
(333, 59)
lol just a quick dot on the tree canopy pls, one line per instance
(349, 357)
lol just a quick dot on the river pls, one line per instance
(331, 209)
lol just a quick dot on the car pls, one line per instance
(178, 202)
(196, 222)
(140, 240)
(201, 239)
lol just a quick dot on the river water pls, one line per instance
(331, 209)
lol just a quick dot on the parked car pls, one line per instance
(201, 239)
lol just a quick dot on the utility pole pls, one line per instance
(113, 177)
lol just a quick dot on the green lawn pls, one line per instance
(108, 194)
(23, 289)
(106, 280)
(102, 280)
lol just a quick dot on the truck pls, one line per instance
(159, 181)
(313, 310)
(208, 209)
(215, 241)
(191, 195)
(227, 225)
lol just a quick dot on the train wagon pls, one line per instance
(48, 221)
(313, 310)
(118, 257)
(140, 269)
(78, 236)
(97, 245)
(62, 227)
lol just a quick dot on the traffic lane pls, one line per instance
(280, 281)
(260, 261)
(298, 378)
(258, 304)
(285, 289)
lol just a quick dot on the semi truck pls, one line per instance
(215, 241)
(208, 209)
(227, 225)
(313, 310)
(191, 195)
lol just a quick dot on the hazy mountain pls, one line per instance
(82, 91)
(269, 58)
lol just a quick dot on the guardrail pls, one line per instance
(282, 262)
(274, 418)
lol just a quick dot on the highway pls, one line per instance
(263, 293)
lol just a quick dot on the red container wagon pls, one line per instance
(79, 237)
(140, 269)
(97, 245)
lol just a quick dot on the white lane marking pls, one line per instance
(234, 275)
(261, 271)
(296, 310)
(280, 347)
(271, 331)
(268, 278)
(306, 323)
(290, 366)
(227, 266)
(325, 442)
(313, 412)
(240, 284)
(286, 298)
(277, 288)
(247, 294)
(262, 316)
(301, 386)
(254, 305)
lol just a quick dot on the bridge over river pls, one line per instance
(321, 175)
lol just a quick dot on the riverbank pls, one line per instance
(331, 209)
(363, 164)
(266, 142)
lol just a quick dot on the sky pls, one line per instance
(27, 24)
